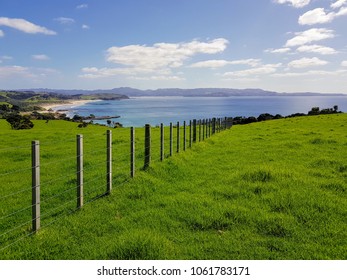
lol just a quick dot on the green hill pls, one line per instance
(267, 190)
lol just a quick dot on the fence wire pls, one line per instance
(59, 174)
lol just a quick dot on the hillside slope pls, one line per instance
(268, 190)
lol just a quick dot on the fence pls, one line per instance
(52, 198)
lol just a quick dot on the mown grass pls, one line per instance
(270, 190)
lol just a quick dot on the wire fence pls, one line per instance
(62, 176)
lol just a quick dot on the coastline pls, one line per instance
(66, 106)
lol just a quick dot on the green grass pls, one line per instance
(270, 190)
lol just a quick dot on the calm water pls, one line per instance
(155, 110)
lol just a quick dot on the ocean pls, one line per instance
(138, 111)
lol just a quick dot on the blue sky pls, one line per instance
(280, 45)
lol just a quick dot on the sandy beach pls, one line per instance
(65, 106)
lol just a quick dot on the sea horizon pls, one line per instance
(154, 110)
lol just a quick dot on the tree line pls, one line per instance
(266, 116)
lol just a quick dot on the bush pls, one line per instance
(19, 122)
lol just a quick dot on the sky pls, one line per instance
(278, 45)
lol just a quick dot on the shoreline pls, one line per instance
(66, 106)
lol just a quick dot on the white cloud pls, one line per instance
(311, 35)
(294, 3)
(25, 26)
(16, 73)
(2, 34)
(158, 78)
(82, 6)
(317, 49)
(155, 62)
(210, 64)
(221, 63)
(280, 50)
(8, 71)
(338, 4)
(5, 57)
(262, 70)
(313, 73)
(40, 57)
(307, 62)
(162, 55)
(85, 26)
(318, 16)
(342, 12)
(64, 20)
(344, 63)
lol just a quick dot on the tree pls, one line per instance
(314, 111)
(19, 122)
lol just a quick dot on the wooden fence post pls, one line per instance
(194, 130)
(171, 136)
(203, 129)
(190, 134)
(79, 171)
(147, 146)
(178, 137)
(200, 130)
(109, 161)
(213, 126)
(35, 163)
(132, 152)
(209, 128)
(162, 153)
(184, 136)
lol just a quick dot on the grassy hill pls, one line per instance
(268, 190)
(30, 100)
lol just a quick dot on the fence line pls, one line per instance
(197, 130)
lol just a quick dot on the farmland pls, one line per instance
(267, 190)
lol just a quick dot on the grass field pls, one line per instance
(269, 190)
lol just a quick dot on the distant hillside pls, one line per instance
(198, 92)
(50, 96)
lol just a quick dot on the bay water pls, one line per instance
(138, 111)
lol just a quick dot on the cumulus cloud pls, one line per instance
(344, 63)
(25, 26)
(221, 63)
(15, 72)
(162, 55)
(317, 49)
(294, 3)
(156, 62)
(311, 35)
(316, 16)
(313, 73)
(338, 4)
(307, 62)
(85, 26)
(280, 50)
(40, 57)
(319, 16)
(8, 71)
(2, 34)
(262, 70)
(65, 20)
